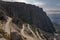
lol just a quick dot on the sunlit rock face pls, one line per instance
(25, 21)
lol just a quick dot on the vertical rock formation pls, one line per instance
(29, 14)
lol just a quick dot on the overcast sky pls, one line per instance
(50, 6)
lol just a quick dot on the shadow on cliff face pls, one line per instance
(10, 29)
(2, 15)
(30, 14)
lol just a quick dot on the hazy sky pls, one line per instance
(50, 6)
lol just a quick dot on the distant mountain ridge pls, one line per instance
(55, 18)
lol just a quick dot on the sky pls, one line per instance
(49, 6)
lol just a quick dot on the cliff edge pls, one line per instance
(28, 13)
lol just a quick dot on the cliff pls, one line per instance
(28, 13)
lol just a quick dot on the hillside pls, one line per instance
(21, 20)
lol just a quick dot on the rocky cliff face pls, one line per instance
(28, 13)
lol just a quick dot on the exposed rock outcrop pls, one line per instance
(28, 13)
